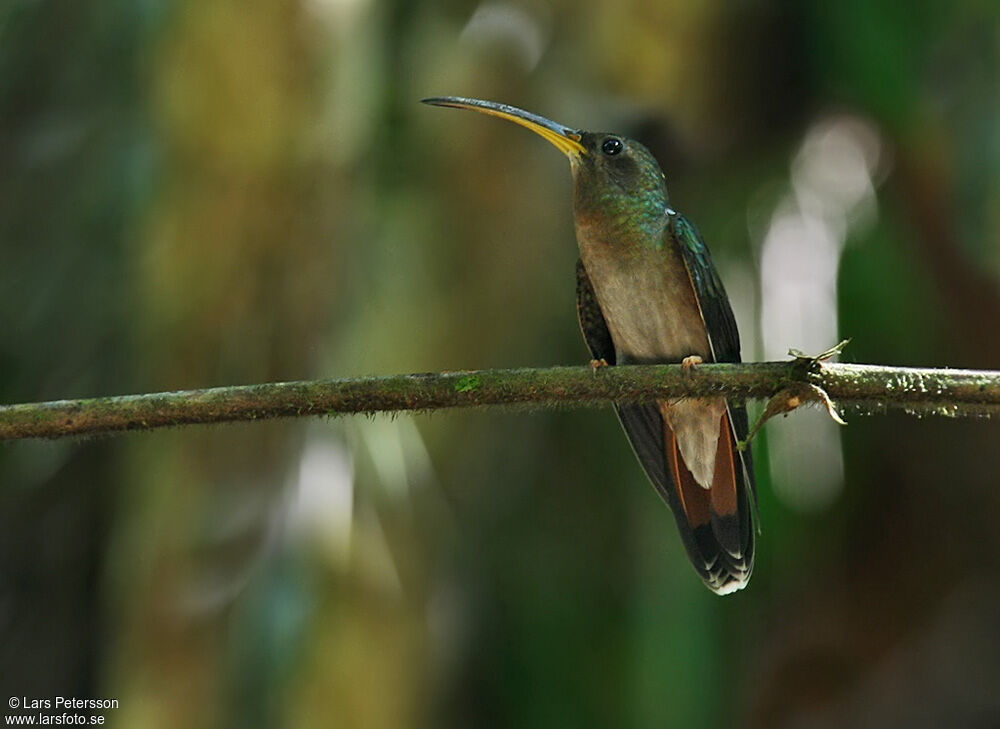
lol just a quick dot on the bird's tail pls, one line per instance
(716, 524)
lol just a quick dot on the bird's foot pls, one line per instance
(596, 364)
(690, 362)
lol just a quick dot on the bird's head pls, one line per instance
(616, 179)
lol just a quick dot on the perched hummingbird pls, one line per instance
(647, 292)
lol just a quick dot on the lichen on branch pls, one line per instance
(858, 388)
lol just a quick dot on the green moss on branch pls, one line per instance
(858, 388)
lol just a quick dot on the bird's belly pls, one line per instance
(652, 314)
(649, 305)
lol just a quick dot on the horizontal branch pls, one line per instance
(863, 389)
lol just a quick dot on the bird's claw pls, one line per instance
(596, 364)
(690, 362)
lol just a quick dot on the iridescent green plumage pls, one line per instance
(630, 197)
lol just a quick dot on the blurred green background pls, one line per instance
(211, 192)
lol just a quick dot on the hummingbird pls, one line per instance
(647, 292)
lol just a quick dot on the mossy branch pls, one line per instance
(861, 389)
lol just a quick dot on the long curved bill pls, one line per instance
(565, 139)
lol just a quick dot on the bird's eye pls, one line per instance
(612, 146)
